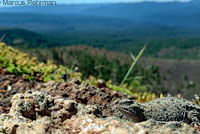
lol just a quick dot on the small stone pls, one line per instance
(9, 88)
(101, 83)
(75, 80)
(5, 84)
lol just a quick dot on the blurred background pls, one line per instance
(101, 38)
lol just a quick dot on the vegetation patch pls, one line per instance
(19, 63)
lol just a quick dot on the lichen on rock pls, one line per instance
(30, 105)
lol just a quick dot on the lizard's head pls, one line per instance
(132, 110)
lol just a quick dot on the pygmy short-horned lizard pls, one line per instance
(162, 109)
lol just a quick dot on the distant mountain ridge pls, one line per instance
(171, 14)
(118, 27)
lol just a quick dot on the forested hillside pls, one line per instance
(174, 48)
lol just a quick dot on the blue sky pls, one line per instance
(103, 1)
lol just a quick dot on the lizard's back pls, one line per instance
(169, 109)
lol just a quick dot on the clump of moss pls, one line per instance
(20, 64)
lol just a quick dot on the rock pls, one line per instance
(69, 107)
(37, 112)
(101, 83)
(89, 109)
(39, 126)
(30, 105)
(89, 124)
(75, 80)
(10, 85)
(74, 90)
(63, 109)
(6, 83)
(82, 93)
(11, 122)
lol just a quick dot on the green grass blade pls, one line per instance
(133, 65)
(132, 56)
(1, 39)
